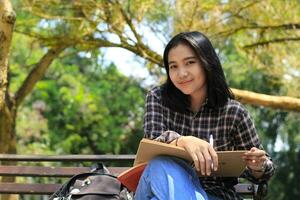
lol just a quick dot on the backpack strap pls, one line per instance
(99, 168)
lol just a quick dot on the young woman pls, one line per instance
(193, 105)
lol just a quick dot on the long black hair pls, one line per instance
(218, 91)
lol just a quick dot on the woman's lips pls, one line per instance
(185, 82)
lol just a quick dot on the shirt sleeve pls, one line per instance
(154, 126)
(245, 138)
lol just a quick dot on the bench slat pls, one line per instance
(47, 188)
(37, 171)
(34, 188)
(65, 158)
(40, 171)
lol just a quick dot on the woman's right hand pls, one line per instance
(203, 154)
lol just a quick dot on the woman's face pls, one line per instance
(186, 71)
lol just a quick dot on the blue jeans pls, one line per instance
(170, 178)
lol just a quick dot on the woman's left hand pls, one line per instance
(255, 159)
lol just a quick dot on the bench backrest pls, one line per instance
(26, 166)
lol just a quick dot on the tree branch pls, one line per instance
(37, 73)
(232, 15)
(54, 17)
(129, 23)
(141, 49)
(276, 40)
(279, 102)
(288, 26)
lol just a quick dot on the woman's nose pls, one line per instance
(182, 73)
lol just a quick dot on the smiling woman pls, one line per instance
(187, 74)
(193, 105)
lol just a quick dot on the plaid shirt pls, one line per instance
(230, 126)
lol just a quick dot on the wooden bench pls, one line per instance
(30, 166)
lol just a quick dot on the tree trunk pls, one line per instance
(8, 141)
(7, 131)
(7, 116)
(7, 107)
(7, 20)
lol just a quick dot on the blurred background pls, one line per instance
(79, 71)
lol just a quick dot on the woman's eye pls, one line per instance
(172, 66)
(190, 62)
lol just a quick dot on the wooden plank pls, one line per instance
(39, 171)
(34, 188)
(66, 158)
(42, 188)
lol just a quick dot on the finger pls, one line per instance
(208, 162)
(201, 162)
(253, 149)
(255, 152)
(250, 158)
(255, 158)
(257, 155)
(250, 163)
(196, 161)
(253, 162)
(214, 157)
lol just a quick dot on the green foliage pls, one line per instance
(24, 54)
(284, 128)
(88, 111)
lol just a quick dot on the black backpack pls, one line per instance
(98, 184)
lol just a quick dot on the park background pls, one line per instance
(74, 73)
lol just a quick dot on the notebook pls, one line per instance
(230, 163)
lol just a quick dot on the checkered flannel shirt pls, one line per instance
(230, 125)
